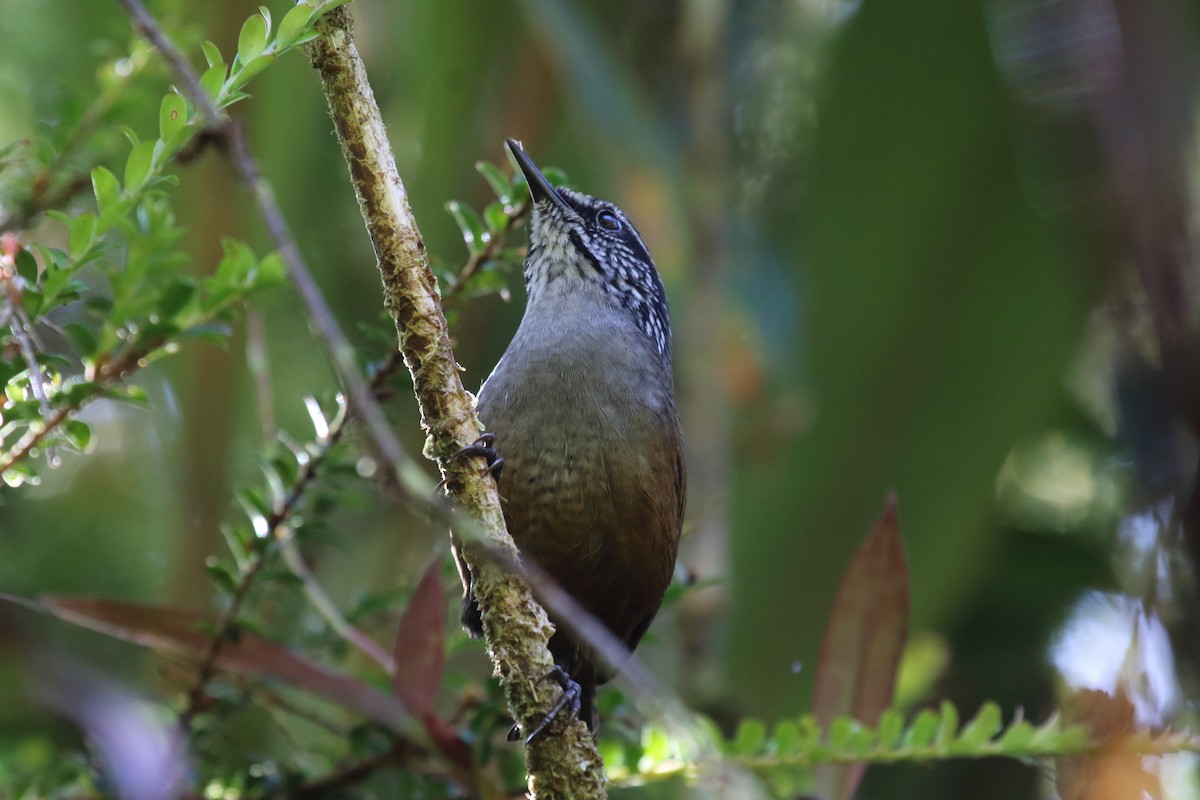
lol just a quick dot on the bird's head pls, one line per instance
(586, 243)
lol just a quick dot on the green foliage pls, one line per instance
(485, 234)
(786, 754)
(117, 292)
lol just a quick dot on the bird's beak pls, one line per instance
(539, 188)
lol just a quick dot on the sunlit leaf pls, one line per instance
(253, 39)
(496, 179)
(292, 25)
(78, 433)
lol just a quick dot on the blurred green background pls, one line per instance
(888, 232)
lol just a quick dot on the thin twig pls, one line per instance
(320, 600)
(276, 521)
(224, 629)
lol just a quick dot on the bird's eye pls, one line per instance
(608, 220)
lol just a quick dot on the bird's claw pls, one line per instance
(482, 447)
(570, 699)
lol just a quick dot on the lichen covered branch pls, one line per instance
(517, 629)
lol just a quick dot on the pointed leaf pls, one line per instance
(137, 168)
(496, 179)
(468, 223)
(104, 183)
(864, 639)
(212, 54)
(420, 651)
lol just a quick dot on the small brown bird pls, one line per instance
(582, 405)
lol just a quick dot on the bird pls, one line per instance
(581, 408)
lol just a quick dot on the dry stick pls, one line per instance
(516, 628)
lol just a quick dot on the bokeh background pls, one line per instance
(940, 246)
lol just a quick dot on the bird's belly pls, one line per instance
(588, 494)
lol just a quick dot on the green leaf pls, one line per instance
(891, 725)
(468, 223)
(750, 738)
(292, 26)
(496, 216)
(81, 338)
(841, 730)
(27, 265)
(137, 167)
(212, 80)
(921, 733)
(79, 433)
(656, 744)
(948, 725)
(172, 116)
(269, 272)
(106, 187)
(83, 233)
(249, 71)
(175, 297)
(253, 39)
(982, 728)
(220, 575)
(130, 134)
(212, 54)
(18, 474)
(213, 332)
(326, 6)
(1018, 737)
(495, 178)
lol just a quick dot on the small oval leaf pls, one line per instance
(106, 187)
(172, 116)
(253, 39)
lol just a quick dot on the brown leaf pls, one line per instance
(864, 639)
(188, 634)
(420, 651)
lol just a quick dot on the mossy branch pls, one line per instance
(516, 628)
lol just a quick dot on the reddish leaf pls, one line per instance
(420, 651)
(864, 640)
(188, 634)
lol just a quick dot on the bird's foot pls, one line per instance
(480, 447)
(483, 447)
(570, 699)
